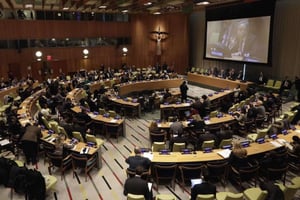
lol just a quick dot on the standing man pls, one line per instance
(183, 90)
(30, 142)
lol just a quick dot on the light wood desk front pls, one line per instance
(159, 84)
(217, 82)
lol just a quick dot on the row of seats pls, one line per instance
(254, 193)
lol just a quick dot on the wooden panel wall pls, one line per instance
(142, 51)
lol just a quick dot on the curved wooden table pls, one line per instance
(159, 84)
(200, 156)
(217, 82)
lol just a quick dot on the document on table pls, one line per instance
(225, 153)
(4, 142)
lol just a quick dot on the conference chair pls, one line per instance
(112, 113)
(84, 162)
(50, 182)
(78, 136)
(164, 174)
(165, 197)
(289, 191)
(225, 143)
(205, 197)
(160, 136)
(218, 170)
(245, 174)
(177, 147)
(274, 173)
(270, 83)
(296, 181)
(54, 126)
(135, 197)
(261, 134)
(94, 139)
(60, 162)
(113, 129)
(213, 114)
(255, 193)
(229, 196)
(158, 146)
(277, 85)
(188, 172)
(47, 148)
(208, 144)
(63, 131)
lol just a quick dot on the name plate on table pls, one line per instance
(164, 152)
(186, 151)
(207, 150)
(245, 143)
(227, 146)
(284, 132)
(273, 136)
(260, 140)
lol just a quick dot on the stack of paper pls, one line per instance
(225, 153)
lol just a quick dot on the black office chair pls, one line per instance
(60, 162)
(82, 161)
(188, 172)
(164, 174)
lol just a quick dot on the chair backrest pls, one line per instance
(270, 83)
(45, 122)
(255, 193)
(165, 197)
(63, 131)
(230, 196)
(90, 138)
(277, 84)
(158, 146)
(289, 191)
(188, 172)
(225, 142)
(177, 147)
(54, 126)
(164, 171)
(102, 111)
(78, 136)
(79, 160)
(261, 134)
(213, 113)
(158, 136)
(208, 144)
(205, 197)
(135, 197)
(218, 169)
(112, 113)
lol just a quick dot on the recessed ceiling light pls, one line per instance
(148, 4)
(28, 5)
(202, 3)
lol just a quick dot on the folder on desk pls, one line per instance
(225, 153)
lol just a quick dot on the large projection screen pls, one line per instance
(243, 39)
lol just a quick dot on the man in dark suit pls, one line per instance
(205, 137)
(137, 185)
(203, 188)
(137, 160)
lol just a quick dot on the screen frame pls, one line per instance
(240, 11)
